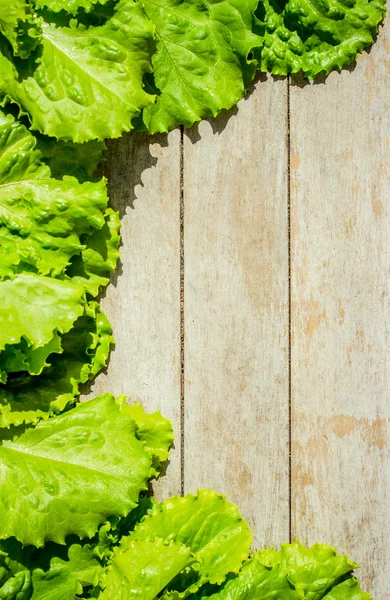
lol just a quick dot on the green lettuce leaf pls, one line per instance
(66, 576)
(144, 568)
(66, 158)
(68, 474)
(125, 525)
(292, 574)
(87, 83)
(19, 157)
(57, 228)
(56, 572)
(92, 267)
(34, 307)
(156, 433)
(23, 357)
(85, 349)
(154, 430)
(202, 62)
(70, 6)
(347, 590)
(312, 571)
(109, 534)
(19, 26)
(315, 37)
(209, 525)
(15, 576)
(46, 223)
(34, 311)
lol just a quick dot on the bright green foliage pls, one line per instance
(15, 576)
(85, 349)
(292, 574)
(19, 157)
(66, 576)
(53, 227)
(70, 473)
(56, 572)
(88, 82)
(65, 158)
(312, 571)
(209, 525)
(153, 429)
(18, 25)
(347, 590)
(157, 65)
(70, 6)
(316, 37)
(111, 532)
(44, 222)
(34, 311)
(201, 63)
(143, 569)
(92, 267)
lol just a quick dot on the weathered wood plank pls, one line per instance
(340, 175)
(236, 310)
(143, 301)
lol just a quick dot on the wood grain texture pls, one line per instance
(340, 243)
(143, 300)
(236, 310)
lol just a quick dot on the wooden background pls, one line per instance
(252, 306)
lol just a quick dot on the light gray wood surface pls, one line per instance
(236, 310)
(340, 248)
(252, 306)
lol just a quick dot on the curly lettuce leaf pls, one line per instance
(70, 6)
(17, 587)
(19, 156)
(45, 223)
(143, 569)
(292, 574)
(315, 37)
(56, 572)
(15, 576)
(93, 266)
(66, 158)
(34, 311)
(202, 63)
(68, 474)
(347, 590)
(210, 526)
(23, 357)
(66, 577)
(19, 26)
(312, 571)
(57, 228)
(87, 83)
(34, 308)
(154, 430)
(27, 399)
(156, 433)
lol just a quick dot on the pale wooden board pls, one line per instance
(143, 300)
(236, 310)
(340, 176)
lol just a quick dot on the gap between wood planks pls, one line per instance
(182, 349)
(288, 142)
